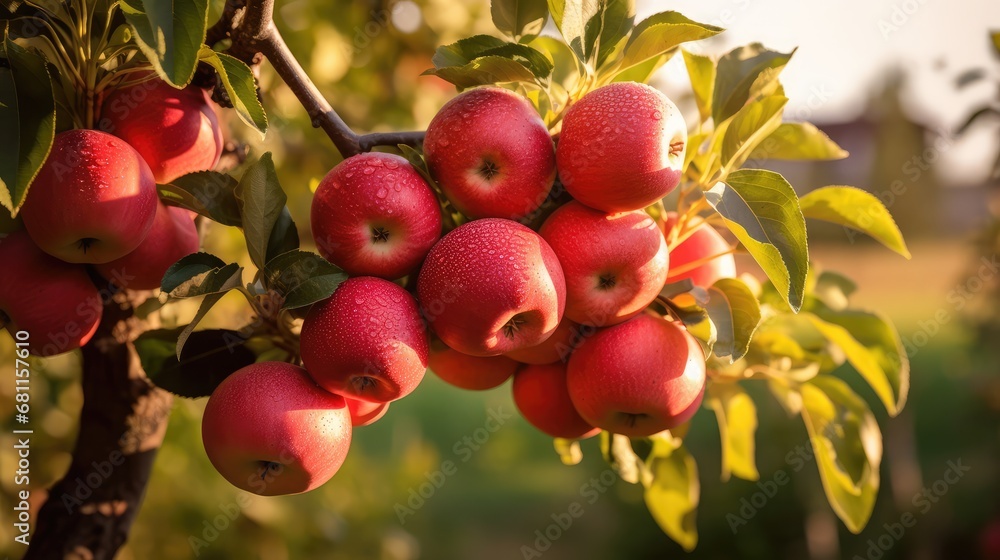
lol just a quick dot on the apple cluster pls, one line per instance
(94, 204)
(563, 309)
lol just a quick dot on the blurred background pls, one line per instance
(892, 81)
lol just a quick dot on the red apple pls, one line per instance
(491, 154)
(176, 131)
(615, 264)
(492, 286)
(700, 244)
(621, 147)
(366, 342)
(555, 348)
(268, 429)
(53, 301)
(365, 413)
(172, 236)
(374, 215)
(541, 395)
(473, 373)
(639, 377)
(93, 200)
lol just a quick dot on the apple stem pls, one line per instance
(687, 267)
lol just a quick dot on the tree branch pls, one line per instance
(253, 33)
(89, 512)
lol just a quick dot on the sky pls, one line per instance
(847, 47)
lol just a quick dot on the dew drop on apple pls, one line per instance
(381, 193)
(369, 171)
(657, 115)
(391, 164)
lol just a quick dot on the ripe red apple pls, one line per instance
(53, 301)
(365, 413)
(491, 286)
(541, 395)
(172, 236)
(615, 264)
(491, 154)
(175, 130)
(366, 342)
(702, 244)
(555, 348)
(639, 377)
(93, 200)
(268, 429)
(472, 373)
(621, 147)
(374, 215)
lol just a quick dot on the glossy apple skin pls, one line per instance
(366, 413)
(176, 131)
(273, 412)
(54, 301)
(704, 241)
(172, 236)
(486, 276)
(555, 348)
(614, 152)
(541, 395)
(639, 377)
(615, 264)
(374, 215)
(366, 342)
(93, 201)
(472, 373)
(491, 154)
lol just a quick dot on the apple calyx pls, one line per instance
(513, 325)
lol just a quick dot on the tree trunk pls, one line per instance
(89, 512)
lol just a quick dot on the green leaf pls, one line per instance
(521, 19)
(592, 28)
(737, 416)
(213, 297)
(238, 80)
(742, 74)
(661, 33)
(261, 202)
(854, 208)
(748, 128)
(833, 290)
(484, 71)
(672, 493)
(208, 193)
(615, 25)
(209, 357)
(170, 33)
(569, 451)
(303, 278)
(284, 236)
(701, 71)
(798, 141)
(872, 346)
(472, 60)
(199, 274)
(27, 122)
(618, 452)
(848, 447)
(734, 311)
(642, 72)
(762, 210)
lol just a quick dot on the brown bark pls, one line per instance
(89, 512)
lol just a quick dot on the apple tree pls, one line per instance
(581, 174)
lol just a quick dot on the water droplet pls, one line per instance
(369, 171)
(391, 164)
(381, 192)
(657, 115)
